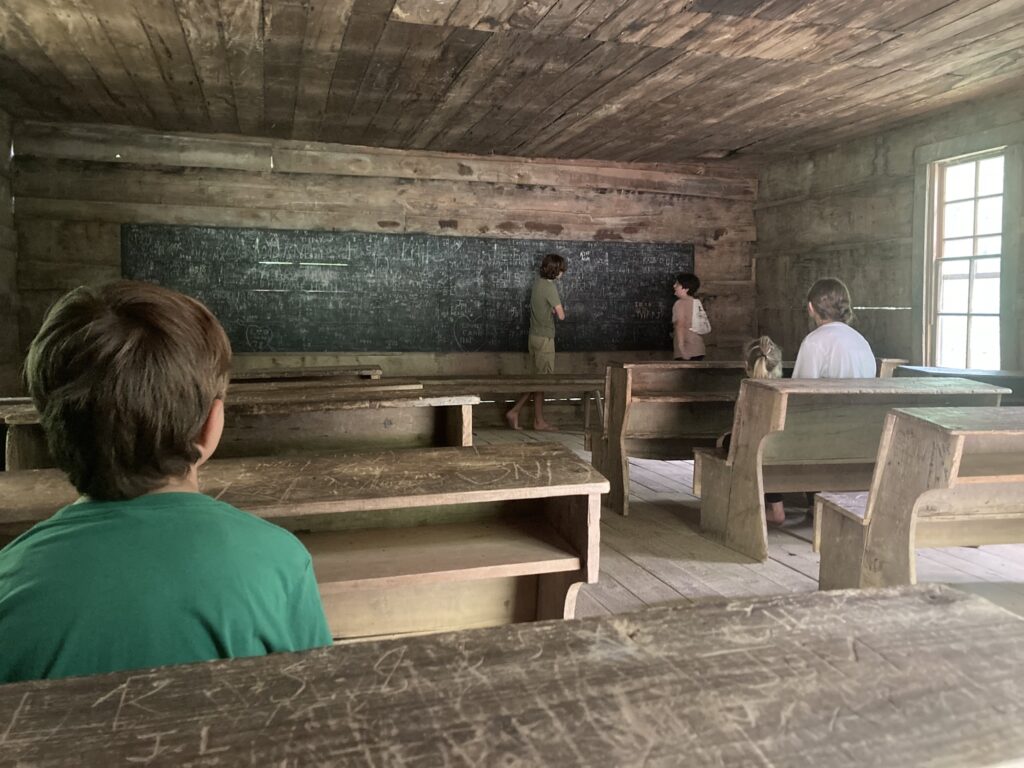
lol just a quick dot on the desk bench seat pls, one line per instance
(407, 541)
(943, 477)
(807, 435)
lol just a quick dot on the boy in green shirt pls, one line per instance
(545, 306)
(143, 570)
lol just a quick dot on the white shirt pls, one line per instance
(834, 351)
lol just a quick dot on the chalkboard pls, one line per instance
(316, 291)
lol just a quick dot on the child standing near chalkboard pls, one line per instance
(545, 306)
(689, 322)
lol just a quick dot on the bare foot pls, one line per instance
(512, 417)
(545, 427)
(775, 514)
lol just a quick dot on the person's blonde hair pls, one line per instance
(763, 358)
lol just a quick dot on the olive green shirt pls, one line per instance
(166, 578)
(543, 300)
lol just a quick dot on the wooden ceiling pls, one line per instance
(628, 80)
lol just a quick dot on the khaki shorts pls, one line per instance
(542, 354)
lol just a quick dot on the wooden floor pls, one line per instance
(658, 556)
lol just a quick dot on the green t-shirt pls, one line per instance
(166, 578)
(543, 299)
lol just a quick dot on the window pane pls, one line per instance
(958, 220)
(985, 287)
(990, 176)
(988, 245)
(954, 281)
(960, 181)
(951, 345)
(990, 215)
(953, 248)
(984, 343)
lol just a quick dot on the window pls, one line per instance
(967, 261)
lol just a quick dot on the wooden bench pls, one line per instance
(944, 477)
(806, 435)
(308, 373)
(1012, 380)
(416, 540)
(660, 410)
(568, 397)
(915, 677)
(283, 418)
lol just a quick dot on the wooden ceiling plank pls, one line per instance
(458, 50)
(632, 21)
(521, 57)
(603, 62)
(18, 44)
(495, 50)
(242, 22)
(660, 69)
(486, 15)
(962, 22)
(529, 14)
(365, 26)
(29, 98)
(559, 16)
(593, 16)
(530, 93)
(321, 46)
(434, 12)
(674, 24)
(382, 77)
(204, 35)
(87, 60)
(426, 49)
(284, 30)
(624, 66)
(888, 17)
(163, 30)
(505, 90)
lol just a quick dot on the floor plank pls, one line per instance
(657, 555)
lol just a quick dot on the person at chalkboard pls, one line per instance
(143, 570)
(545, 306)
(689, 321)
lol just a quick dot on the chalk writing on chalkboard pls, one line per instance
(316, 291)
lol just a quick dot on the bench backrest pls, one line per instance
(813, 421)
(967, 452)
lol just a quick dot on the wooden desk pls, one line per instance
(660, 410)
(807, 435)
(416, 540)
(1012, 380)
(944, 477)
(308, 373)
(282, 418)
(922, 676)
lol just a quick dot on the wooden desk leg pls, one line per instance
(458, 425)
(26, 447)
(577, 519)
(609, 458)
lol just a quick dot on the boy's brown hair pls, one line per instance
(831, 301)
(124, 375)
(552, 266)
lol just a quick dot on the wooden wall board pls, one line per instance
(77, 184)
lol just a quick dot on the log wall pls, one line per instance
(10, 359)
(850, 212)
(75, 185)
